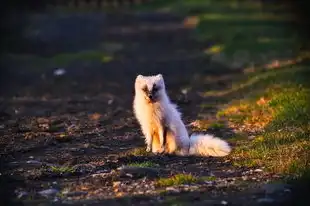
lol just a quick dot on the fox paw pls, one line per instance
(148, 149)
(160, 150)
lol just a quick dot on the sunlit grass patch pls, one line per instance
(207, 124)
(253, 84)
(238, 137)
(291, 158)
(140, 151)
(106, 59)
(181, 179)
(207, 178)
(216, 125)
(279, 113)
(214, 49)
(61, 169)
(143, 164)
(251, 115)
(178, 179)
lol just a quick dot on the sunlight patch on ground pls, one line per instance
(279, 116)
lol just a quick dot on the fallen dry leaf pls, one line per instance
(214, 49)
(119, 194)
(195, 123)
(262, 101)
(62, 135)
(191, 22)
(116, 184)
(42, 120)
(84, 188)
(249, 70)
(277, 63)
(95, 116)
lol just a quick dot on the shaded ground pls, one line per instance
(66, 135)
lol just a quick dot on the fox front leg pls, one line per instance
(148, 138)
(149, 141)
(162, 138)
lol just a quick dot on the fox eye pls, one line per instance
(155, 88)
(144, 88)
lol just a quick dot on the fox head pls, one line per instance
(152, 88)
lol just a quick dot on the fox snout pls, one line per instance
(150, 96)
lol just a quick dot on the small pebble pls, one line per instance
(59, 72)
(48, 192)
(265, 200)
(116, 184)
(33, 162)
(244, 178)
(172, 189)
(251, 137)
(56, 199)
(184, 91)
(22, 194)
(223, 202)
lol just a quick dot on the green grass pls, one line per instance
(281, 120)
(143, 164)
(59, 60)
(202, 125)
(178, 179)
(66, 58)
(208, 178)
(216, 125)
(61, 170)
(248, 32)
(140, 151)
(274, 104)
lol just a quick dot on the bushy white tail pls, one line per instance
(208, 145)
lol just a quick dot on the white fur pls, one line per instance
(208, 145)
(164, 113)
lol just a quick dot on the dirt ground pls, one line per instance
(63, 136)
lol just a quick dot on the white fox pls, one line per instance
(162, 125)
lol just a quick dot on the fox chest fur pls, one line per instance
(156, 120)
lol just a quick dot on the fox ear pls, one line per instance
(160, 76)
(138, 79)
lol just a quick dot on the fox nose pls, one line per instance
(150, 96)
